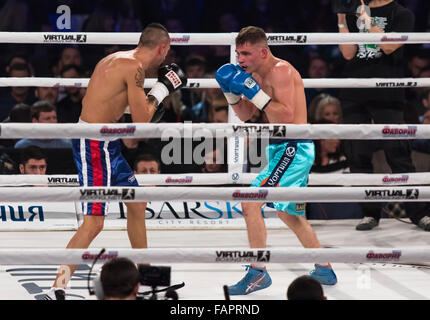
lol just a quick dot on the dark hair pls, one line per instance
(70, 67)
(119, 277)
(305, 288)
(153, 34)
(20, 113)
(41, 106)
(195, 62)
(252, 35)
(32, 152)
(147, 157)
(20, 67)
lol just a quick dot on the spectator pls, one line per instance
(44, 112)
(213, 98)
(33, 161)
(19, 113)
(423, 145)
(318, 68)
(379, 106)
(195, 68)
(69, 108)
(146, 163)
(70, 55)
(329, 157)
(215, 161)
(119, 280)
(218, 114)
(49, 94)
(305, 288)
(16, 94)
(325, 107)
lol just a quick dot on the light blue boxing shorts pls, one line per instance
(289, 163)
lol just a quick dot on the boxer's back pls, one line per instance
(106, 96)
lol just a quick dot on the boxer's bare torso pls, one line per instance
(117, 82)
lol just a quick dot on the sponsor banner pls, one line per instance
(261, 130)
(402, 38)
(397, 84)
(393, 132)
(242, 256)
(117, 132)
(384, 256)
(285, 39)
(395, 180)
(39, 214)
(64, 38)
(391, 194)
(107, 194)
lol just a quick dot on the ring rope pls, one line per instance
(315, 179)
(250, 194)
(194, 83)
(47, 256)
(189, 39)
(213, 130)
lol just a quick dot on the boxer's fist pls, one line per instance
(243, 83)
(223, 76)
(170, 78)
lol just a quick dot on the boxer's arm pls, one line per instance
(244, 109)
(142, 107)
(285, 83)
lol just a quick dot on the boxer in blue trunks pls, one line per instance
(272, 85)
(117, 83)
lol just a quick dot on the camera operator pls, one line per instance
(119, 279)
(379, 105)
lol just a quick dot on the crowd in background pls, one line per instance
(63, 105)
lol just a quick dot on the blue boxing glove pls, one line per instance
(243, 83)
(223, 76)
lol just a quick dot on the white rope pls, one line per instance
(189, 39)
(252, 194)
(315, 179)
(211, 83)
(48, 256)
(212, 130)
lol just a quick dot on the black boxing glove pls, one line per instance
(159, 113)
(170, 78)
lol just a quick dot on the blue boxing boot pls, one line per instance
(255, 279)
(324, 275)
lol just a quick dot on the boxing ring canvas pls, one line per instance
(204, 281)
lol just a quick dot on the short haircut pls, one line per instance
(305, 288)
(41, 106)
(20, 113)
(32, 152)
(71, 67)
(119, 277)
(147, 157)
(152, 35)
(20, 67)
(252, 35)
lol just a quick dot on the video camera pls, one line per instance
(157, 276)
(347, 6)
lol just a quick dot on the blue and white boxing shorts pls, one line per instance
(289, 163)
(100, 163)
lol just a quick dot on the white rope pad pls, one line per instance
(110, 131)
(48, 256)
(329, 179)
(194, 83)
(189, 39)
(145, 194)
